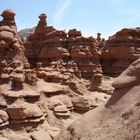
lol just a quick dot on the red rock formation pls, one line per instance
(117, 118)
(11, 47)
(120, 51)
(129, 77)
(65, 55)
(46, 44)
(15, 75)
(84, 52)
(55, 91)
(52, 92)
(19, 96)
(12, 57)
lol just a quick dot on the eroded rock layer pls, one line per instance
(118, 118)
(63, 79)
(65, 51)
(120, 50)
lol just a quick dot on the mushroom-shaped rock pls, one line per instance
(8, 27)
(8, 13)
(61, 111)
(42, 16)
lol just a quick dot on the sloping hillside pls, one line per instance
(118, 119)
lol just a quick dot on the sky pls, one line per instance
(89, 16)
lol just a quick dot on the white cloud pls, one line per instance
(61, 8)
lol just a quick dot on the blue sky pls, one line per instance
(89, 16)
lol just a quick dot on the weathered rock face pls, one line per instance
(53, 93)
(11, 47)
(129, 77)
(118, 118)
(15, 72)
(57, 90)
(17, 80)
(68, 54)
(84, 52)
(120, 51)
(12, 57)
(46, 44)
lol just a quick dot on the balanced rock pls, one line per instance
(9, 38)
(61, 111)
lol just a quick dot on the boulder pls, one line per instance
(24, 111)
(3, 118)
(40, 135)
(81, 103)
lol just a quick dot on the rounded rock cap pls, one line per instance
(42, 16)
(8, 13)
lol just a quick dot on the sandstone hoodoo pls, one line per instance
(85, 52)
(19, 97)
(48, 45)
(9, 38)
(12, 57)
